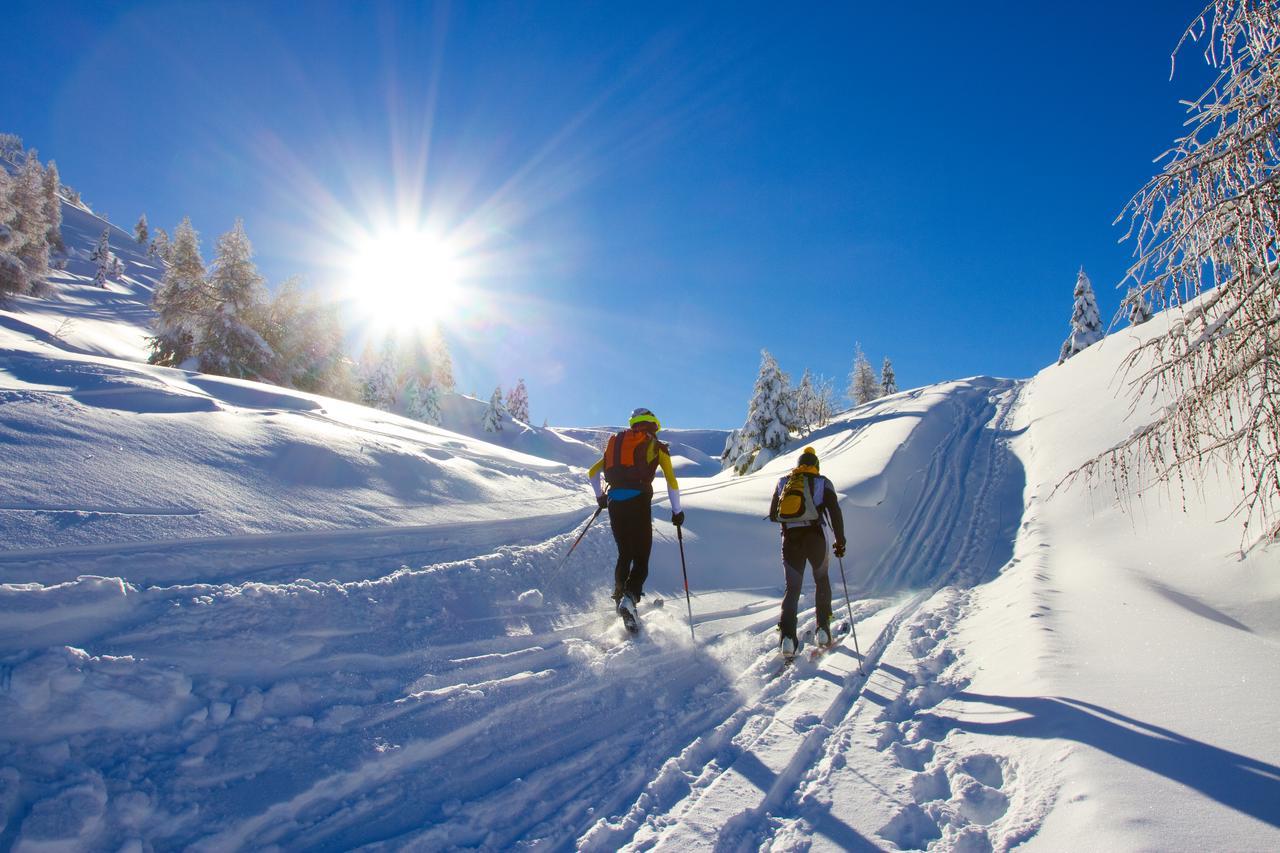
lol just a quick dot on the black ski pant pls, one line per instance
(802, 545)
(632, 525)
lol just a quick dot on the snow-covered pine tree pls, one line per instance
(13, 276)
(493, 414)
(366, 368)
(30, 227)
(412, 398)
(140, 232)
(888, 381)
(101, 255)
(863, 385)
(1086, 323)
(441, 362)
(518, 402)
(733, 451)
(181, 300)
(422, 401)
(771, 417)
(229, 342)
(52, 186)
(159, 247)
(382, 388)
(289, 335)
(1139, 310)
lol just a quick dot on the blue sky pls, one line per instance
(651, 193)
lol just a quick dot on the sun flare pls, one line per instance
(406, 278)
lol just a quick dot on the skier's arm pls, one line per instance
(773, 504)
(594, 476)
(673, 488)
(831, 503)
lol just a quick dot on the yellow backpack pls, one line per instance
(796, 503)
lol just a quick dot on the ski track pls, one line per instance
(548, 732)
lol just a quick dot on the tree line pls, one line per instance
(778, 411)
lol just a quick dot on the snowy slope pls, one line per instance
(80, 317)
(236, 617)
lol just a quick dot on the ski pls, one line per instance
(629, 621)
(819, 651)
(787, 660)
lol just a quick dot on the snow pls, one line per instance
(242, 617)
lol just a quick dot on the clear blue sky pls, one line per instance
(658, 190)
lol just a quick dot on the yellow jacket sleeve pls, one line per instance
(673, 488)
(594, 476)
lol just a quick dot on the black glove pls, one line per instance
(677, 518)
(603, 501)
(838, 548)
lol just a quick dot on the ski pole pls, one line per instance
(590, 522)
(687, 603)
(849, 604)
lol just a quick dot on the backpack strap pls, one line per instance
(616, 442)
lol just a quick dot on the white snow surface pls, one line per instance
(236, 617)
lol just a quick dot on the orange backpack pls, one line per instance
(626, 460)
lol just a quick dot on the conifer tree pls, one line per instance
(1086, 323)
(888, 381)
(771, 417)
(230, 343)
(863, 385)
(381, 385)
(518, 402)
(101, 255)
(30, 226)
(733, 451)
(181, 300)
(159, 247)
(441, 362)
(52, 186)
(140, 231)
(412, 398)
(493, 414)
(13, 275)
(306, 337)
(422, 402)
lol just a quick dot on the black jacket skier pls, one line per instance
(805, 540)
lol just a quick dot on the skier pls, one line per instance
(799, 504)
(631, 458)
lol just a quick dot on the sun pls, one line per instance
(406, 278)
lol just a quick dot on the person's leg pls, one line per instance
(618, 524)
(793, 566)
(641, 523)
(820, 559)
